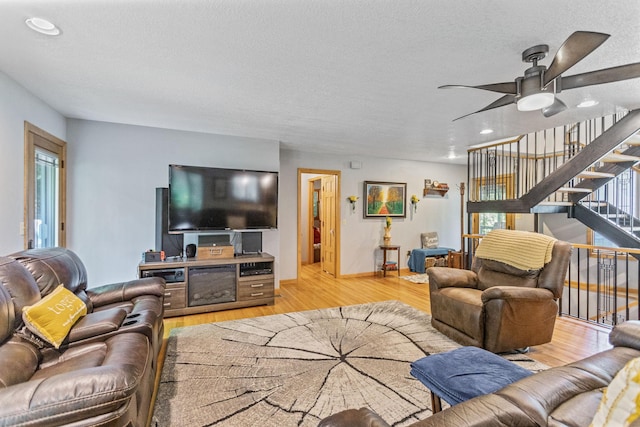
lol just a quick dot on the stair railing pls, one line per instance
(617, 201)
(527, 159)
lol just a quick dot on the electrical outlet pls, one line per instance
(22, 228)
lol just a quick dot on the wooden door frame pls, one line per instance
(55, 145)
(337, 174)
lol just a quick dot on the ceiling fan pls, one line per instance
(537, 89)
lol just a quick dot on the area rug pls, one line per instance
(297, 368)
(417, 278)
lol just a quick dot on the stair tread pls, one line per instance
(633, 139)
(594, 174)
(555, 204)
(574, 190)
(615, 157)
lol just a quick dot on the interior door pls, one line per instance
(328, 220)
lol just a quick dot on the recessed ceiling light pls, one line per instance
(42, 26)
(486, 131)
(589, 103)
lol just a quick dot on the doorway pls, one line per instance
(318, 221)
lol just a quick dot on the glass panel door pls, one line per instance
(47, 188)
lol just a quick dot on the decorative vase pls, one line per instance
(387, 236)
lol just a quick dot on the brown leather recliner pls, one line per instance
(497, 306)
(107, 381)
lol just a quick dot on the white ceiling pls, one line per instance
(355, 77)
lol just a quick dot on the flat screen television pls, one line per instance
(203, 198)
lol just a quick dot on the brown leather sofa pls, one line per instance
(103, 373)
(496, 306)
(564, 396)
(136, 305)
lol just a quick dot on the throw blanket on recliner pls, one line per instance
(521, 249)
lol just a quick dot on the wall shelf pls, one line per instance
(439, 189)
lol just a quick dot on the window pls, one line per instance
(45, 189)
(602, 245)
(500, 189)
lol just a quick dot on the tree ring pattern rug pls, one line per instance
(295, 369)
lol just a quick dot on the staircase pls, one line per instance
(585, 169)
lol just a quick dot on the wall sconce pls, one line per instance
(353, 200)
(414, 202)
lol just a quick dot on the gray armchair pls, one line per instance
(497, 306)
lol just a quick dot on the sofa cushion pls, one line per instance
(496, 273)
(429, 240)
(54, 315)
(85, 385)
(619, 404)
(52, 266)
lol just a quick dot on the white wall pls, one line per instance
(113, 172)
(16, 106)
(361, 237)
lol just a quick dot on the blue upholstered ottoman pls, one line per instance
(464, 373)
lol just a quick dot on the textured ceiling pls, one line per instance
(354, 77)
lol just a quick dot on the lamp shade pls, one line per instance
(535, 101)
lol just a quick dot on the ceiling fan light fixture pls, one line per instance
(42, 26)
(587, 104)
(535, 101)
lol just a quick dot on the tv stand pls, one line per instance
(206, 285)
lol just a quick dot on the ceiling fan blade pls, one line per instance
(507, 87)
(501, 102)
(572, 51)
(555, 108)
(606, 75)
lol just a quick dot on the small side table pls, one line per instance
(388, 265)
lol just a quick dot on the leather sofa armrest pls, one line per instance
(445, 277)
(516, 293)
(626, 334)
(126, 291)
(363, 417)
(96, 324)
(82, 393)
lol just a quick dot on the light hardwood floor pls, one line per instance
(572, 340)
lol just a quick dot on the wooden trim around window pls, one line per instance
(36, 137)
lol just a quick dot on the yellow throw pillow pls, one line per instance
(54, 315)
(620, 404)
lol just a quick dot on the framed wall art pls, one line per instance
(382, 199)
